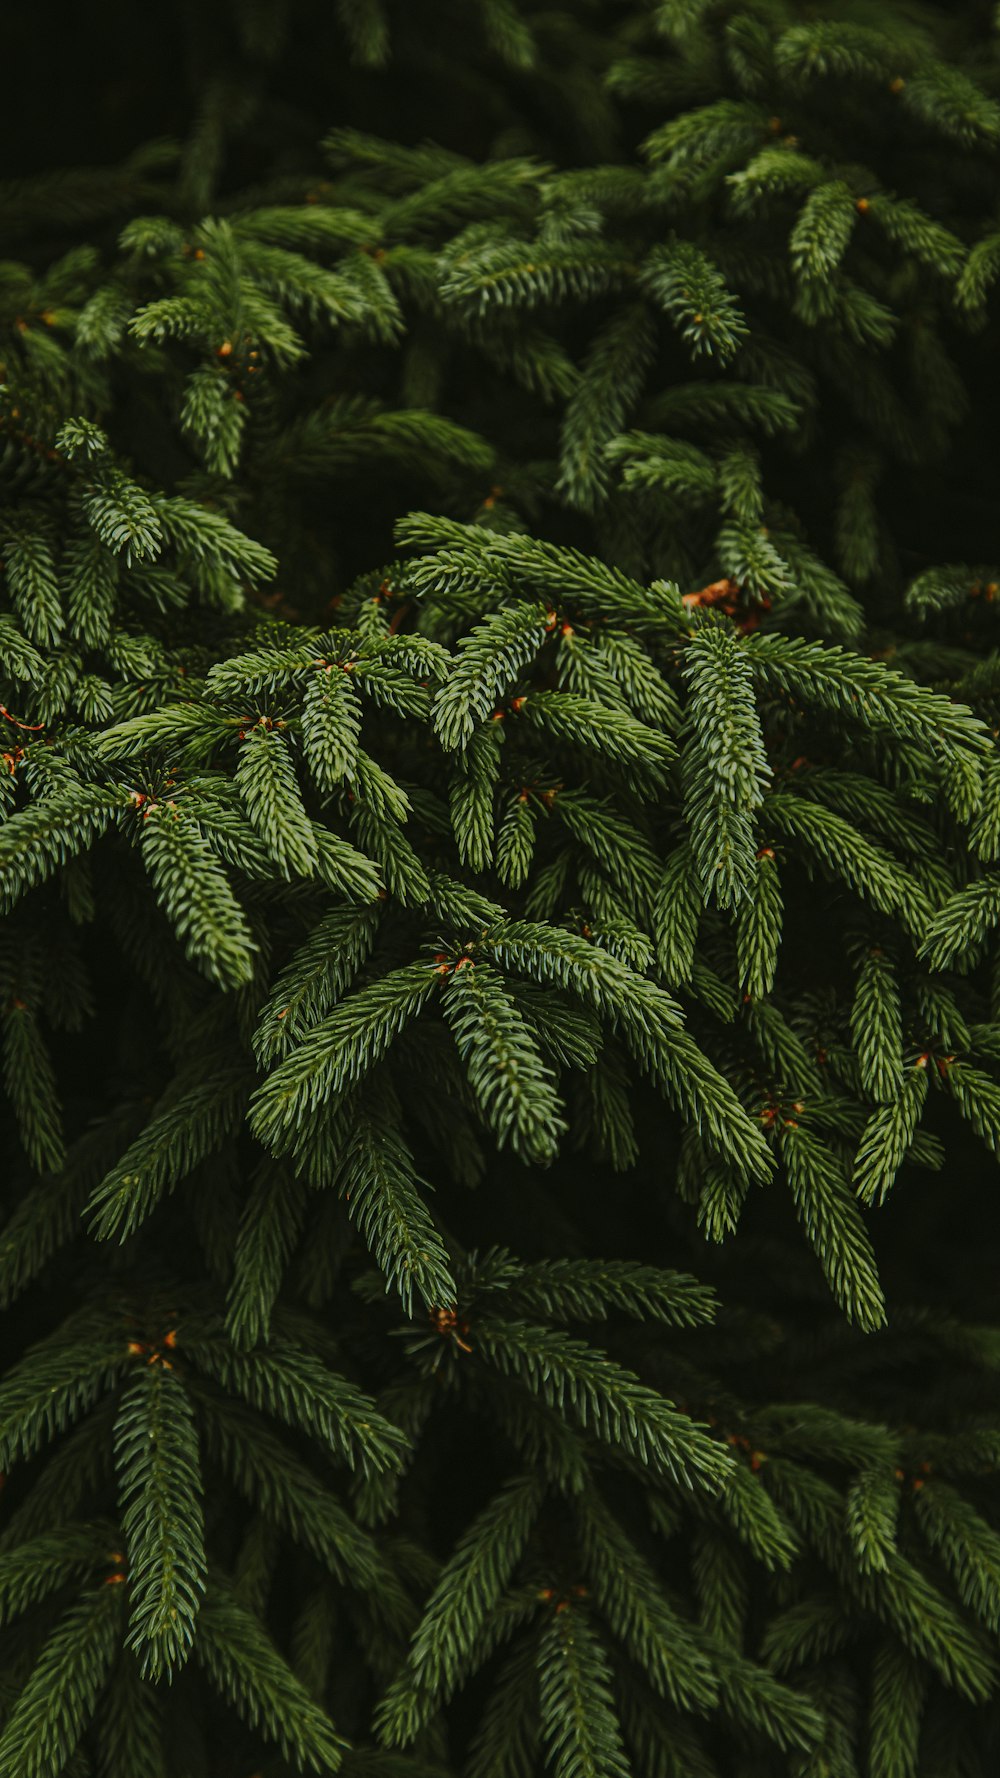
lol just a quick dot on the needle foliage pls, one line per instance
(500, 892)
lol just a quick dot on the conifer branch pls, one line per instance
(833, 1224)
(467, 1592)
(156, 1454)
(338, 1051)
(190, 1122)
(196, 896)
(283, 1487)
(579, 1725)
(666, 1647)
(57, 1381)
(287, 1381)
(605, 1399)
(56, 1706)
(512, 1085)
(38, 1566)
(725, 765)
(250, 1673)
(269, 1229)
(379, 1180)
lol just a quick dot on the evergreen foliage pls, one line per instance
(499, 830)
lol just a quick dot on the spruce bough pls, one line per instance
(499, 843)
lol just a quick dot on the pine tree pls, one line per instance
(500, 822)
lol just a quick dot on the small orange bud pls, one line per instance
(862, 206)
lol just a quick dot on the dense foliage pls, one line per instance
(501, 815)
